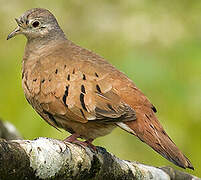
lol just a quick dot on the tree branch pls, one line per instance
(8, 131)
(45, 158)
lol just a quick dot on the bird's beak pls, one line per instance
(16, 31)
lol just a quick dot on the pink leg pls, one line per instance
(73, 139)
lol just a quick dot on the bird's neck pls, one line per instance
(38, 46)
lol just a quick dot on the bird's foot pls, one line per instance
(87, 143)
(90, 145)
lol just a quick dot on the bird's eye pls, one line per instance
(35, 24)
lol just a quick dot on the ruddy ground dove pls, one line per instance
(77, 90)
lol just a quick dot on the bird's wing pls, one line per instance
(80, 92)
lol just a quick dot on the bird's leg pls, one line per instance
(73, 139)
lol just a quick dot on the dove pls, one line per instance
(79, 91)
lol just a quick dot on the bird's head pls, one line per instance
(37, 23)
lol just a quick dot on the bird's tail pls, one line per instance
(148, 129)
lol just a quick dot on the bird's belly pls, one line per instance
(89, 130)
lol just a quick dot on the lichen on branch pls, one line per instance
(46, 158)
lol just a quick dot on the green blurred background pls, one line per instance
(156, 43)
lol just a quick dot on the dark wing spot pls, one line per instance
(83, 89)
(154, 109)
(68, 77)
(98, 88)
(56, 71)
(147, 116)
(21, 20)
(27, 22)
(82, 113)
(110, 107)
(84, 77)
(51, 117)
(82, 101)
(34, 80)
(73, 71)
(65, 66)
(151, 126)
(50, 80)
(96, 74)
(164, 132)
(158, 144)
(65, 95)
